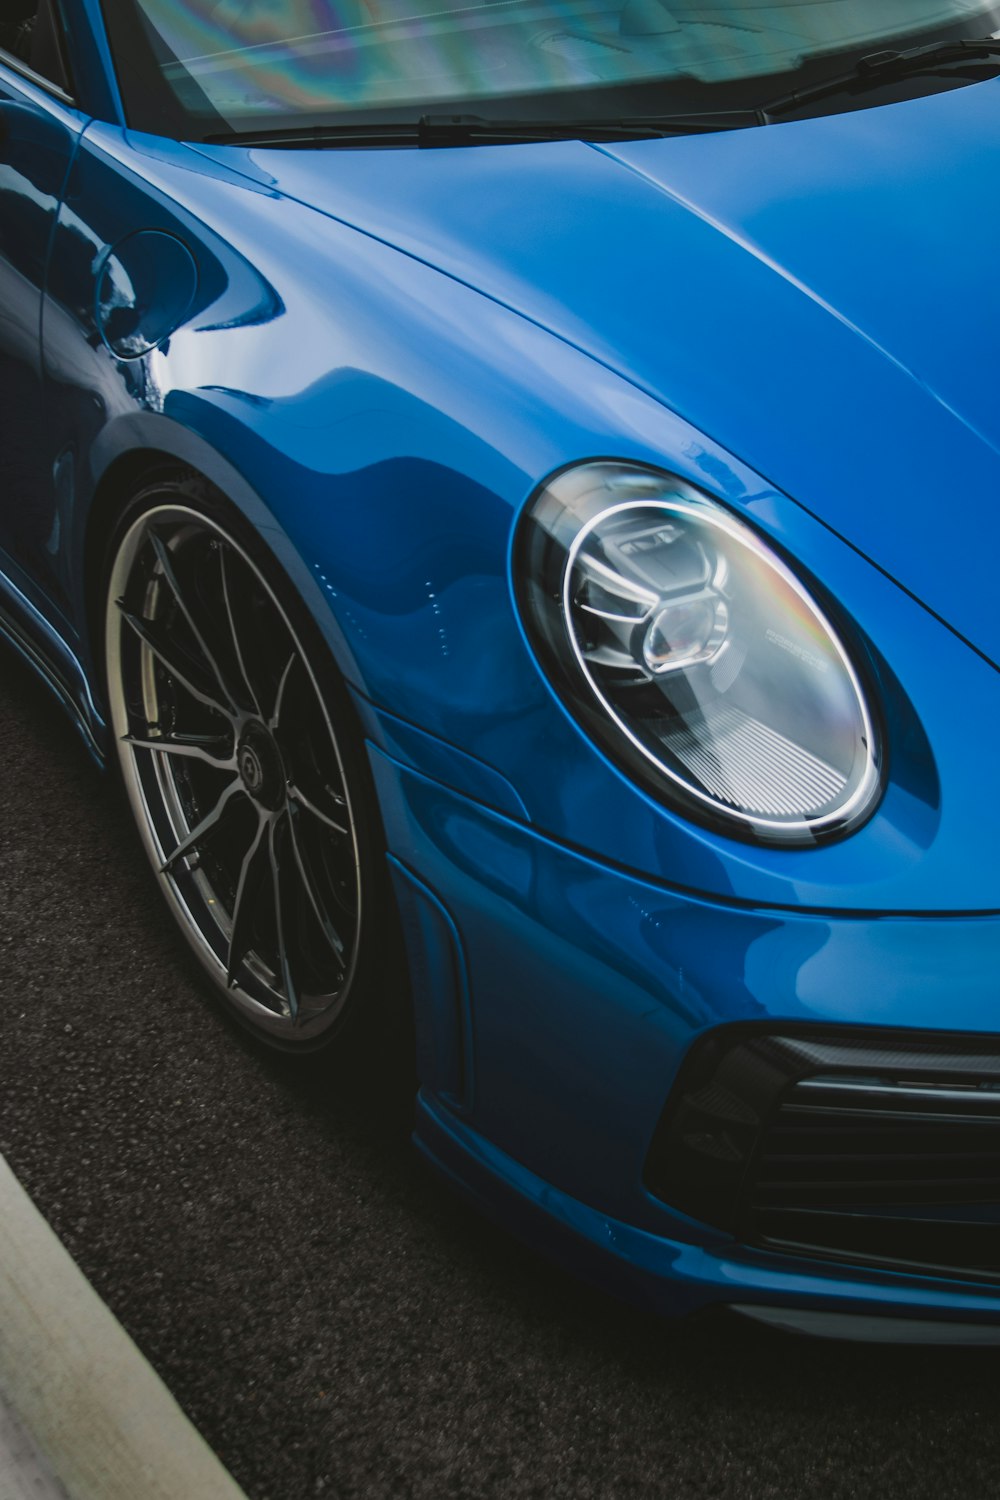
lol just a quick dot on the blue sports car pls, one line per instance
(515, 484)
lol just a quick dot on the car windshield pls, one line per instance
(194, 67)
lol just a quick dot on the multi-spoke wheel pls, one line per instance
(242, 768)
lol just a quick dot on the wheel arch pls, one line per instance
(156, 447)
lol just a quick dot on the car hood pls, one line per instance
(821, 297)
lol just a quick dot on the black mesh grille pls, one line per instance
(875, 1148)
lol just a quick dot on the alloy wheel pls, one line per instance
(235, 772)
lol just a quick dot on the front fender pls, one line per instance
(384, 423)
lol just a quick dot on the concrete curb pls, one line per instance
(76, 1388)
(24, 1474)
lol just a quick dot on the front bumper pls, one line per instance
(556, 1000)
(678, 1277)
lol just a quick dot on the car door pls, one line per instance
(40, 127)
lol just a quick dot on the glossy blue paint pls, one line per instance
(266, 372)
(146, 285)
(845, 245)
(379, 356)
(39, 139)
(440, 986)
(92, 68)
(589, 984)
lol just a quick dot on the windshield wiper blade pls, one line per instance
(885, 67)
(319, 136)
(473, 130)
(444, 130)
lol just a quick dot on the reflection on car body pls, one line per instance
(510, 490)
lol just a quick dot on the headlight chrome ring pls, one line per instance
(694, 656)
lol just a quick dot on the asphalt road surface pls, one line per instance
(333, 1320)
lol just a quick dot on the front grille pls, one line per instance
(873, 1148)
(885, 1172)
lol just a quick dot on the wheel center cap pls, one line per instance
(258, 761)
(251, 769)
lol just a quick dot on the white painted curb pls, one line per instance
(95, 1411)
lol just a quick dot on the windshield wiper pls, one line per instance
(473, 130)
(879, 68)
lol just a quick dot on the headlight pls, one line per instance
(694, 657)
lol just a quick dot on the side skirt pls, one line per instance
(40, 645)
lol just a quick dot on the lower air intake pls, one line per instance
(875, 1148)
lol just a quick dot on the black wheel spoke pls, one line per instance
(253, 873)
(309, 885)
(280, 919)
(168, 571)
(192, 746)
(210, 821)
(238, 652)
(152, 635)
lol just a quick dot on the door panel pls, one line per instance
(38, 136)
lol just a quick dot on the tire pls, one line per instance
(244, 767)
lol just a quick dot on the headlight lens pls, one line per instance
(693, 655)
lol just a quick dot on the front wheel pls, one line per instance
(244, 769)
